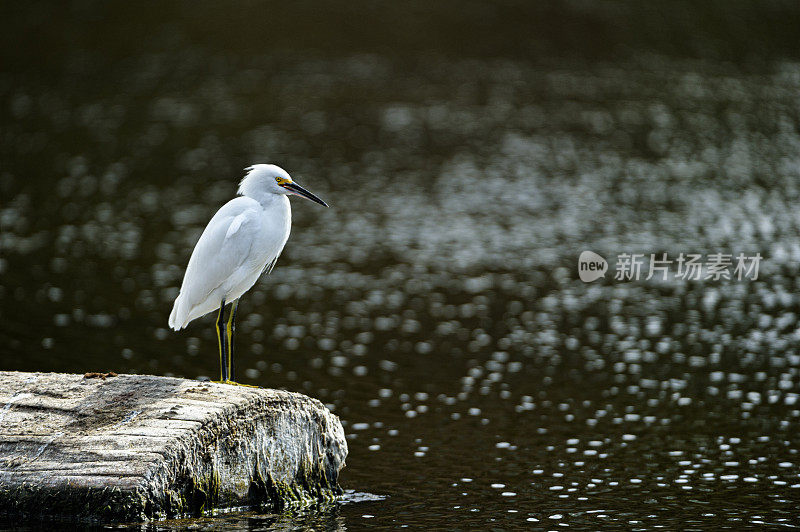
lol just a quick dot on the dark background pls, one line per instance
(737, 31)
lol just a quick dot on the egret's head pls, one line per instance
(270, 179)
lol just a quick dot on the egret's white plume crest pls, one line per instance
(263, 179)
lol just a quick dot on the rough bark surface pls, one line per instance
(133, 447)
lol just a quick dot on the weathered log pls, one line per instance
(133, 447)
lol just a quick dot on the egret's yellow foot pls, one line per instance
(245, 385)
(234, 383)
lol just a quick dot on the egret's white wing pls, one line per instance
(223, 258)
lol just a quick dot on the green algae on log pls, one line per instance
(133, 447)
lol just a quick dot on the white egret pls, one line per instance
(243, 239)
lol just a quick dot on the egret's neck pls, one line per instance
(277, 207)
(269, 200)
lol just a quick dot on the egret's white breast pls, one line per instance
(266, 241)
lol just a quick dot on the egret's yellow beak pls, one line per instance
(297, 190)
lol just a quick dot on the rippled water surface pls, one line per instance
(436, 307)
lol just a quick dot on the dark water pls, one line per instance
(436, 307)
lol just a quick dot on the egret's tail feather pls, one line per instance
(178, 317)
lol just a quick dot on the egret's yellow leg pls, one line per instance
(222, 339)
(230, 329)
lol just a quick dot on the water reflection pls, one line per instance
(436, 307)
